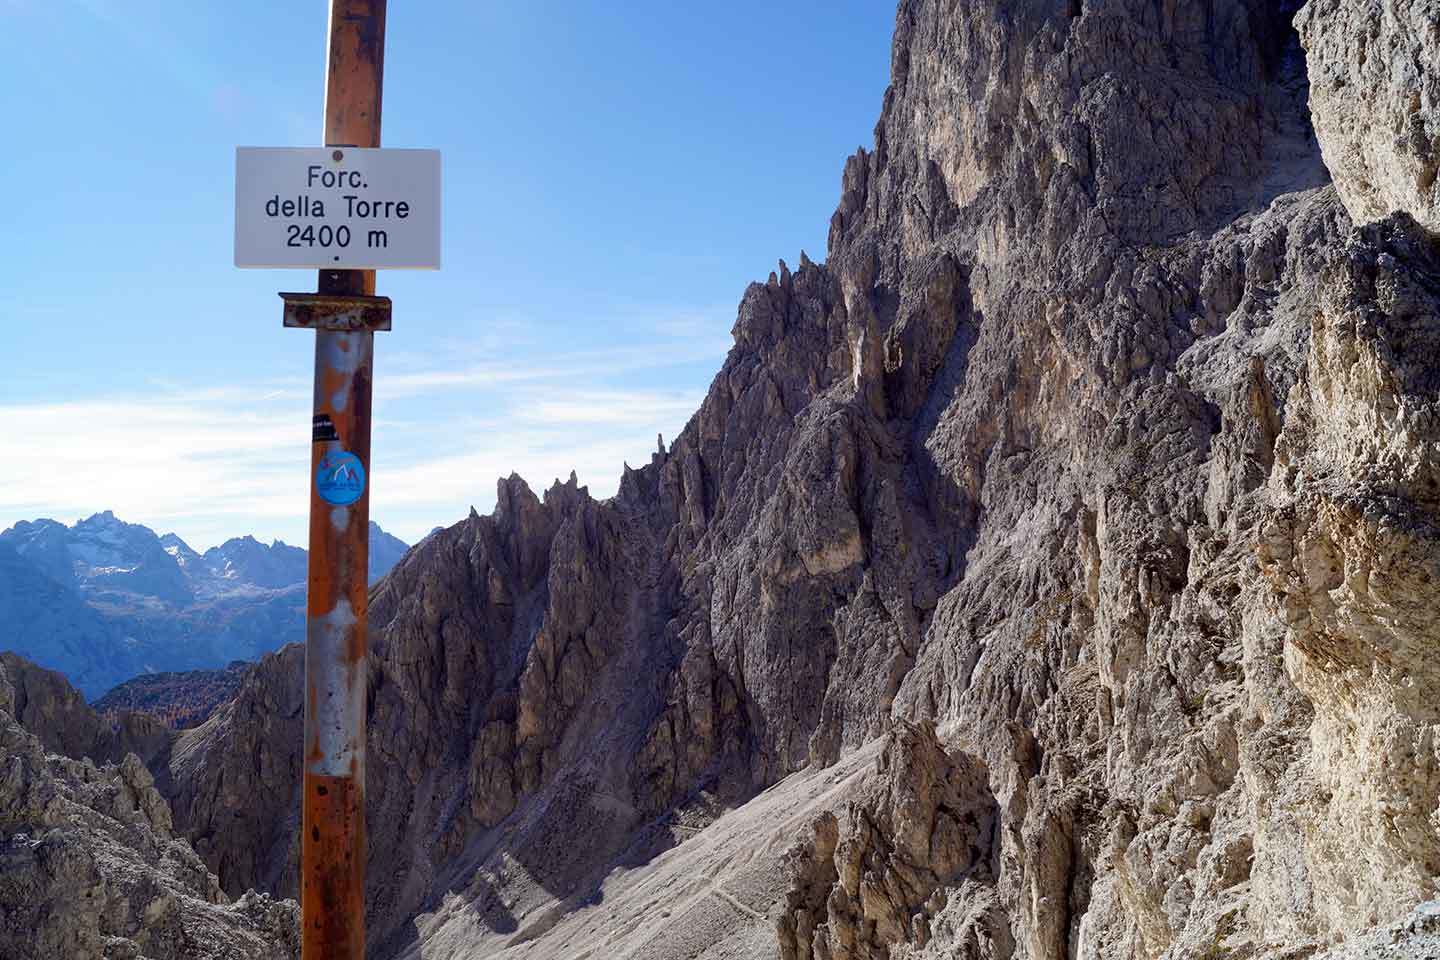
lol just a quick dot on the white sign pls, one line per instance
(337, 207)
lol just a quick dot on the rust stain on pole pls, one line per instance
(333, 851)
(333, 818)
(355, 73)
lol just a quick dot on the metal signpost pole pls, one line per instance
(344, 314)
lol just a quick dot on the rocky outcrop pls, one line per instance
(1102, 440)
(90, 867)
(1375, 97)
(1351, 543)
(241, 808)
(50, 709)
(926, 827)
(487, 640)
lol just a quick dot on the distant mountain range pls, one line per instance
(103, 601)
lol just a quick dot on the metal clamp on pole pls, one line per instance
(324, 311)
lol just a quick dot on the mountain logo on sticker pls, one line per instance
(340, 478)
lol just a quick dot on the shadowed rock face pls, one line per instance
(43, 702)
(1101, 441)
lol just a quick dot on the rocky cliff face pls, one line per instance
(1375, 88)
(926, 825)
(89, 863)
(1103, 442)
(51, 710)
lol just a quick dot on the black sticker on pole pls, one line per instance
(322, 429)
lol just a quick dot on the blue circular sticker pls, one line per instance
(340, 478)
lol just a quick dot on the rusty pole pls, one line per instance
(345, 315)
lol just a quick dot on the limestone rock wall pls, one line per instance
(1375, 94)
(924, 832)
(89, 863)
(1351, 542)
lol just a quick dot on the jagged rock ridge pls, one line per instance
(1103, 441)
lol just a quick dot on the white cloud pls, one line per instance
(198, 465)
(215, 463)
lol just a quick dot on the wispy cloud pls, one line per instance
(563, 368)
(196, 463)
(618, 407)
(218, 462)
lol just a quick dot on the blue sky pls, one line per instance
(615, 174)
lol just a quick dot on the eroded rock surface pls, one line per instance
(1414, 937)
(926, 830)
(90, 865)
(1375, 94)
